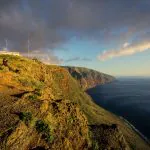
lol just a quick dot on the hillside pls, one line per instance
(88, 78)
(43, 107)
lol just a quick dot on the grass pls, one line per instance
(38, 91)
(29, 82)
(36, 60)
(71, 119)
(45, 130)
(26, 117)
(33, 97)
(95, 145)
(32, 74)
(3, 69)
(8, 131)
(133, 147)
(59, 76)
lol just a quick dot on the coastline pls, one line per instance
(123, 119)
(135, 129)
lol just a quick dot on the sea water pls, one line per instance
(127, 97)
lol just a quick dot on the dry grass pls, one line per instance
(52, 96)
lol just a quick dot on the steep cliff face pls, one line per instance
(35, 111)
(43, 107)
(88, 78)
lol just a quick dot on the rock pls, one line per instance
(88, 78)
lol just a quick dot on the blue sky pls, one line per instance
(110, 36)
(133, 65)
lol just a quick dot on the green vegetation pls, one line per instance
(8, 131)
(133, 147)
(59, 75)
(10, 66)
(45, 130)
(71, 119)
(33, 97)
(36, 60)
(26, 117)
(3, 69)
(25, 81)
(28, 82)
(95, 145)
(38, 91)
(45, 85)
(10, 57)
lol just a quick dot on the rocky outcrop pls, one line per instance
(112, 137)
(88, 78)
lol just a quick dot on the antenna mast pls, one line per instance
(28, 46)
(6, 42)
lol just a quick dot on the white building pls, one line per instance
(9, 53)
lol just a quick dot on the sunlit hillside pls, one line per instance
(43, 106)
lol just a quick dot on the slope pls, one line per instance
(42, 106)
(88, 78)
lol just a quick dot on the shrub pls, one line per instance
(25, 82)
(44, 128)
(133, 147)
(59, 76)
(32, 97)
(41, 126)
(29, 82)
(71, 119)
(37, 85)
(38, 92)
(95, 145)
(26, 117)
(80, 132)
(36, 60)
(4, 69)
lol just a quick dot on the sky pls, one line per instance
(111, 36)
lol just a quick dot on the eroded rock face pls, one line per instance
(88, 78)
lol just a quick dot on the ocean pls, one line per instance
(128, 98)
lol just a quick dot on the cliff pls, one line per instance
(88, 78)
(43, 107)
(35, 111)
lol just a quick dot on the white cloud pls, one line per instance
(126, 50)
(47, 58)
(126, 44)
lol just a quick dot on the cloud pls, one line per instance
(126, 50)
(78, 59)
(47, 58)
(20, 22)
(126, 44)
(51, 23)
